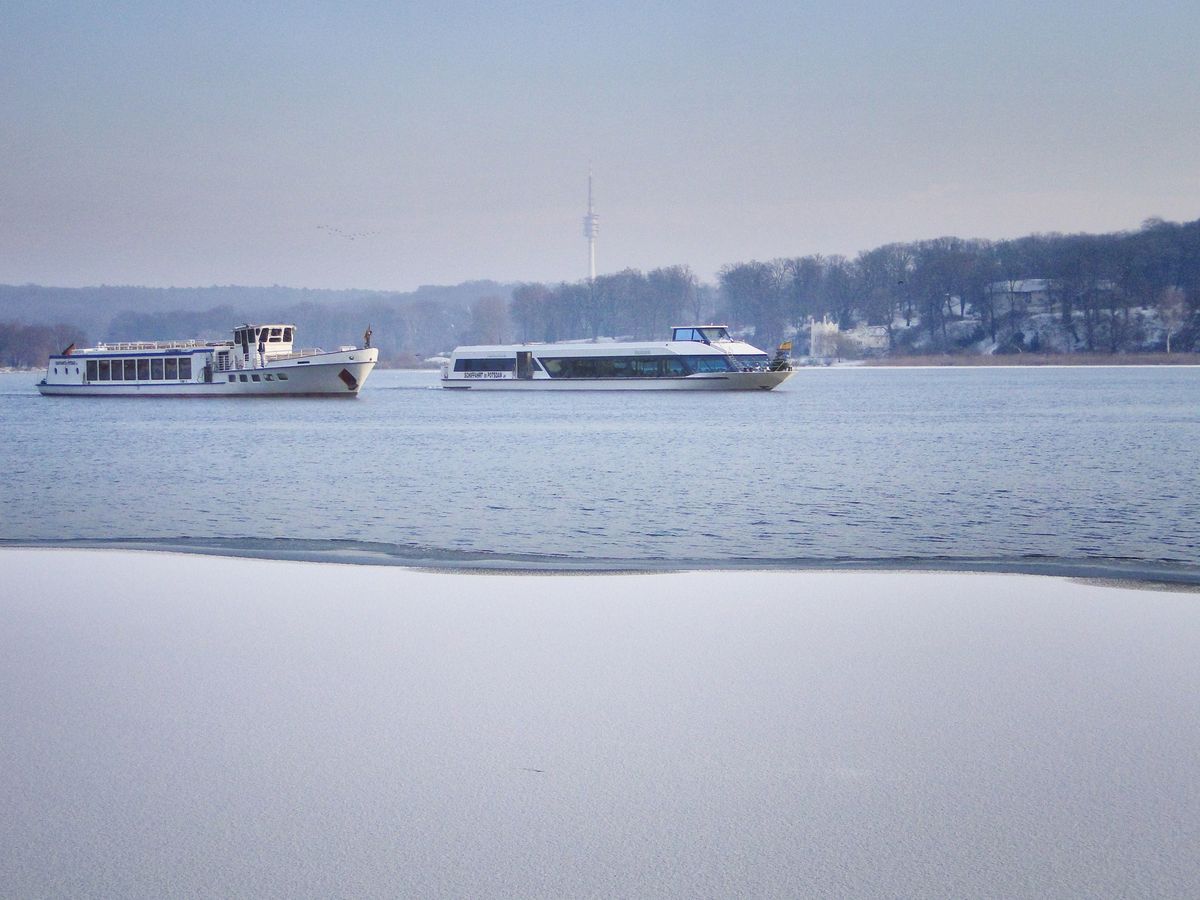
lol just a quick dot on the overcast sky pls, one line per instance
(215, 143)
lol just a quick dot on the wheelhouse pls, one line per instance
(275, 338)
(705, 334)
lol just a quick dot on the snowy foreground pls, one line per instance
(195, 726)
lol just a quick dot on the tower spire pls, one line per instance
(591, 227)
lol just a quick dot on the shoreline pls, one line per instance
(1020, 360)
(1131, 572)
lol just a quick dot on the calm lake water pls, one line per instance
(1007, 467)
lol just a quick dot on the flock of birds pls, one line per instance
(334, 231)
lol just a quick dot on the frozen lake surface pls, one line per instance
(196, 726)
(1017, 469)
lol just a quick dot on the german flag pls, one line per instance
(785, 347)
(70, 347)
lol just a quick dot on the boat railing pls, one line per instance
(779, 363)
(127, 346)
(739, 365)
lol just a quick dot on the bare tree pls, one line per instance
(489, 321)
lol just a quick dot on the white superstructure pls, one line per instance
(698, 357)
(260, 361)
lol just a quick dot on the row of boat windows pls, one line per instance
(254, 376)
(142, 369)
(254, 335)
(622, 366)
(485, 365)
(625, 366)
(649, 366)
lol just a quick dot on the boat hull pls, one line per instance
(725, 381)
(339, 374)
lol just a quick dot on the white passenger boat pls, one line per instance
(260, 361)
(697, 358)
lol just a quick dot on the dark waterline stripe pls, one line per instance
(366, 553)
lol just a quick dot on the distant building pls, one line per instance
(1029, 292)
(871, 338)
(822, 339)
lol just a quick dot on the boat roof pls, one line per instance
(133, 348)
(143, 348)
(609, 348)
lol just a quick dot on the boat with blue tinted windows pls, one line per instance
(260, 361)
(698, 357)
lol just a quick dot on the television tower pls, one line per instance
(591, 227)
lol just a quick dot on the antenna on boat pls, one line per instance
(591, 227)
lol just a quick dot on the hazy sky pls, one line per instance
(193, 144)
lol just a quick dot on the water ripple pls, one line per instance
(848, 466)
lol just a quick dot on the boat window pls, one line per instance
(171, 369)
(143, 369)
(104, 370)
(686, 334)
(241, 377)
(131, 370)
(287, 335)
(707, 363)
(92, 370)
(232, 378)
(255, 377)
(156, 369)
(276, 335)
(116, 370)
(613, 366)
(713, 334)
(282, 376)
(185, 369)
(485, 365)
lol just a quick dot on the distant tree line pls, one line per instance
(940, 295)
(626, 304)
(27, 346)
(1094, 283)
(915, 291)
(406, 326)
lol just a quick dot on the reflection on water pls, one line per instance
(837, 464)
